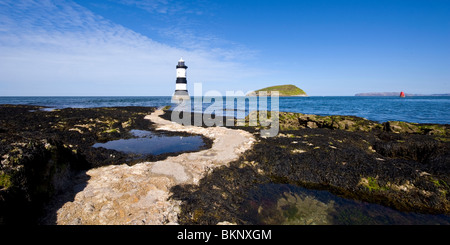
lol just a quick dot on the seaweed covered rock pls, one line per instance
(77, 128)
(406, 169)
(41, 151)
(358, 165)
(416, 128)
(295, 121)
(32, 172)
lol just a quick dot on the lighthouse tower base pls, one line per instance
(181, 95)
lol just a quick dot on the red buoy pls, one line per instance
(402, 95)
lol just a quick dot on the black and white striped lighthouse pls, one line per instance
(181, 85)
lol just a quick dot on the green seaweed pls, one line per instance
(5, 181)
(373, 185)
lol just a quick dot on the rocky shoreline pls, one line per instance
(45, 155)
(140, 194)
(47, 159)
(404, 166)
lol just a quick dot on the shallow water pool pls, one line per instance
(284, 204)
(151, 143)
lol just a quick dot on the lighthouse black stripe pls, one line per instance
(181, 80)
(181, 92)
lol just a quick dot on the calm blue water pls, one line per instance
(148, 142)
(432, 109)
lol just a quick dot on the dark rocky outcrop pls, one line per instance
(45, 154)
(32, 173)
(293, 121)
(405, 167)
(42, 152)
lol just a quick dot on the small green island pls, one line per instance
(284, 90)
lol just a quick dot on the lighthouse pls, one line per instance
(181, 84)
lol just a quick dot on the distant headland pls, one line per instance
(396, 94)
(284, 90)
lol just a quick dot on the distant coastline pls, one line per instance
(396, 94)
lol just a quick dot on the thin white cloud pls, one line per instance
(61, 48)
(155, 6)
(170, 7)
(181, 26)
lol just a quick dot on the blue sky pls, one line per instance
(131, 47)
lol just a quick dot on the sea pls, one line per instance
(417, 109)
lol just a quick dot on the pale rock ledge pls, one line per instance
(138, 194)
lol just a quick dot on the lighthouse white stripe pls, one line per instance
(181, 72)
(180, 86)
